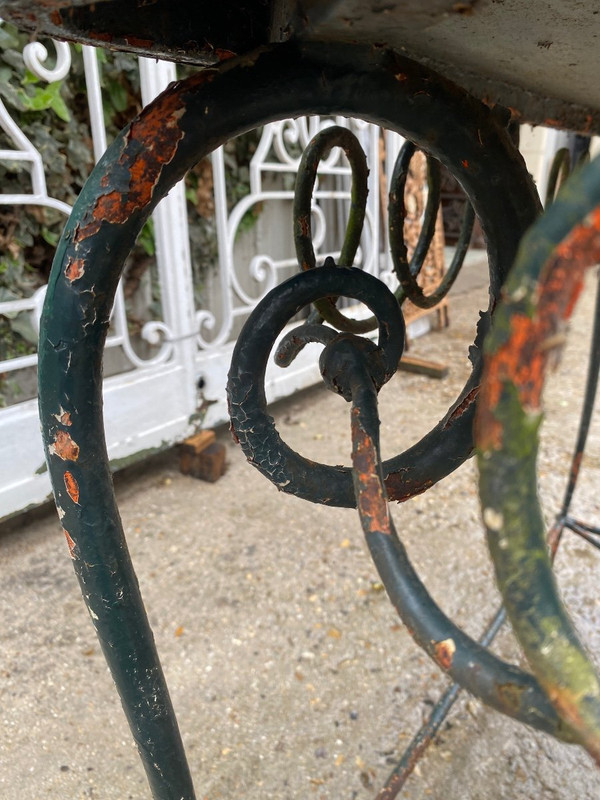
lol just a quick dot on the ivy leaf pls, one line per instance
(146, 238)
(29, 78)
(8, 41)
(22, 325)
(8, 92)
(118, 95)
(59, 107)
(46, 97)
(49, 236)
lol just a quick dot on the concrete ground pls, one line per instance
(290, 672)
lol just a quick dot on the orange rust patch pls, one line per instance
(460, 409)
(304, 225)
(568, 704)
(158, 133)
(511, 695)
(224, 55)
(70, 542)
(85, 231)
(64, 417)
(64, 447)
(72, 486)
(566, 701)
(135, 41)
(74, 269)
(372, 502)
(444, 653)
(522, 360)
(576, 466)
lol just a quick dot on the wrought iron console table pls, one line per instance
(451, 77)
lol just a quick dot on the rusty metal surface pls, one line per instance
(539, 58)
(562, 696)
(526, 341)
(141, 165)
(180, 127)
(199, 33)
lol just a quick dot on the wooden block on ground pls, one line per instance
(199, 441)
(422, 367)
(209, 465)
(192, 447)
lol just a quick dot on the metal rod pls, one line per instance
(424, 737)
(540, 295)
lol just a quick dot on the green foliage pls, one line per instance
(238, 153)
(55, 118)
(50, 116)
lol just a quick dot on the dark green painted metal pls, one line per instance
(538, 298)
(319, 148)
(564, 520)
(559, 172)
(500, 685)
(406, 272)
(443, 449)
(591, 534)
(426, 734)
(294, 341)
(251, 424)
(139, 168)
(311, 78)
(351, 367)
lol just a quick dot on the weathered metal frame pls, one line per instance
(140, 167)
(190, 343)
(539, 298)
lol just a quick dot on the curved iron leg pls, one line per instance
(501, 685)
(539, 298)
(138, 169)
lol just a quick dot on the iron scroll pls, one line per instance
(180, 127)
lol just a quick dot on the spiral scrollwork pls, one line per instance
(184, 124)
(356, 368)
(408, 271)
(35, 54)
(252, 425)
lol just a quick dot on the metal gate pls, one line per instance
(157, 389)
(178, 373)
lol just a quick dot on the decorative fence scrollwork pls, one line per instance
(85, 310)
(188, 339)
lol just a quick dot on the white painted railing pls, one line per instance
(149, 402)
(151, 397)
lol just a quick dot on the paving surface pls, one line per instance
(291, 675)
